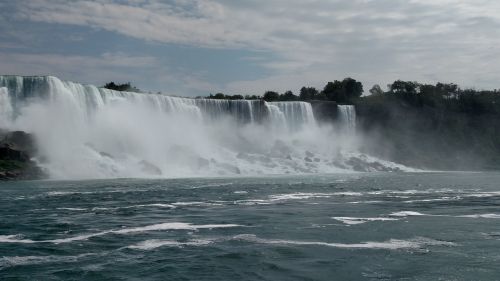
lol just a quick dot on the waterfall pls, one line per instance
(83, 131)
(347, 115)
(295, 114)
(6, 111)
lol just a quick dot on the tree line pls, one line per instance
(447, 96)
(344, 91)
(349, 90)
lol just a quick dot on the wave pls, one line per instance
(354, 221)
(154, 227)
(156, 243)
(392, 244)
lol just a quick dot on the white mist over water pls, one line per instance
(87, 132)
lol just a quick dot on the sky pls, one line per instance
(197, 47)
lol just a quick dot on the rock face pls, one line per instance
(324, 111)
(16, 151)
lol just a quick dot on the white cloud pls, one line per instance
(374, 40)
(85, 69)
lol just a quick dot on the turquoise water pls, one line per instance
(417, 226)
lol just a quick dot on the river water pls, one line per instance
(376, 226)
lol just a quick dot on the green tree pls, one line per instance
(343, 91)
(376, 90)
(271, 96)
(308, 93)
(288, 96)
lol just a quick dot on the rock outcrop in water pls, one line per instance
(16, 152)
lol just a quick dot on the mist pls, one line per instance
(85, 132)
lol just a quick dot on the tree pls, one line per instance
(219, 96)
(343, 91)
(288, 96)
(334, 91)
(126, 87)
(271, 96)
(376, 90)
(308, 93)
(353, 88)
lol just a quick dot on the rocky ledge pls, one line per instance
(16, 152)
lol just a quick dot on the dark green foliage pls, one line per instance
(7, 165)
(344, 91)
(288, 96)
(126, 87)
(221, 96)
(376, 90)
(271, 96)
(432, 126)
(310, 93)
(253, 97)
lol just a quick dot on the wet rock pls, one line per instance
(361, 165)
(16, 152)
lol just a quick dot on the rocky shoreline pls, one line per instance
(17, 150)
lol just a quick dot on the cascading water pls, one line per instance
(294, 115)
(347, 115)
(87, 132)
(6, 111)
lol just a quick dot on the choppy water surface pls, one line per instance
(337, 227)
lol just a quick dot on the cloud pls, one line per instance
(86, 69)
(424, 40)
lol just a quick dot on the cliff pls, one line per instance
(429, 137)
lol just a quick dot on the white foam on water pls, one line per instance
(240, 192)
(298, 196)
(455, 198)
(407, 214)
(154, 227)
(156, 243)
(197, 203)
(157, 205)
(354, 221)
(483, 194)
(481, 216)
(250, 202)
(15, 239)
(392, 244)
